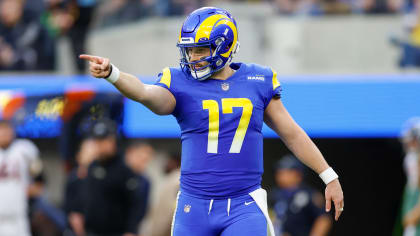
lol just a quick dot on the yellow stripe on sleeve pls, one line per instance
(274, 80)
(166, 77)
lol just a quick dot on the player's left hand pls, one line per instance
(334, 192)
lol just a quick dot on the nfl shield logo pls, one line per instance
(187, 208)
(225, 86)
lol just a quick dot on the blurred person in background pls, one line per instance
(381, 6)
(180, 7)
(72, 18)
(110, 193)
(82, 12)
(410, 41)
(138, 156)
(73, 200)
(46, 219)
(19, 166)
(298, 7)
(411, 203)
(25, 44)
(115, 12)
(298, 208)
(160, 218)
(338, 7)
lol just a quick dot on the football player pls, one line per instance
(220, 107)
(19, 166)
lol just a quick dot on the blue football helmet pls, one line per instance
(208, 27)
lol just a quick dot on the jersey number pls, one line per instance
(227, 105)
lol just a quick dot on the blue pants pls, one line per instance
(228, 217)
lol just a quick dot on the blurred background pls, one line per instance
(349, 71)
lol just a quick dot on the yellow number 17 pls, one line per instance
(227, 105)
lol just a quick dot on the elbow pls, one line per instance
(160, 110)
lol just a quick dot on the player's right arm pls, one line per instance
(159, 100)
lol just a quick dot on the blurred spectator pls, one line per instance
(177, 7)
(410, 43)
(298, 7)
(74, 186)
(299, 209)
(46, 220)
(411, 204)
(138, 156)
(115, 12)
(36, 7)
(110, 193)
(24, 43)
(381, 6)
(82, 11)
(19, 164)
(335, 7)
(160, 219)
(72, 18)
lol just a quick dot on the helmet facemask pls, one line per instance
(215, 61)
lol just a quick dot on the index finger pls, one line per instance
(91, 58)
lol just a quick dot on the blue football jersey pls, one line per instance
(221, 122)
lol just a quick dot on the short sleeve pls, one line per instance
(164, 79)
(272, 87)
(29, 150)
(276, 87)
(30, 153)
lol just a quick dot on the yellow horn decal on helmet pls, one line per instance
(235, 35)
(206, 27)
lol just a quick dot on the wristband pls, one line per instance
(328, 175)
(114, 75)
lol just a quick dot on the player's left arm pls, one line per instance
(278, 118)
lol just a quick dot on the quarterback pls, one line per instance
(220, 107)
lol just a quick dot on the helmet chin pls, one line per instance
(201, 74)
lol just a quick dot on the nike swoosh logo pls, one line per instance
(247, 203)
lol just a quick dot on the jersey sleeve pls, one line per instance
(165, 79)
(276, 87)
(273, 87)
(30, 152)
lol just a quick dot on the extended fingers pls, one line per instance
(339, 207)
(91, 58)
(327, 202)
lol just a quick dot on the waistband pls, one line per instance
(205, 197)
